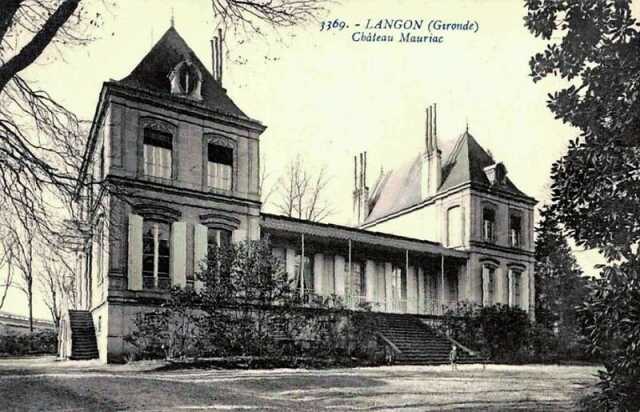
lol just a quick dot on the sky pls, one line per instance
(327, 98)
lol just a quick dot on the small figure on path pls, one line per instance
(453, 357)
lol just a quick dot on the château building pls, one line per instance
(183, 159)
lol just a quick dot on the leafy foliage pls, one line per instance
(596, 184)
(244, 305)
(36, 343)
(561, 288)
(487, 328)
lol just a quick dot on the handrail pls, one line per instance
(464, 348)
(388, 342)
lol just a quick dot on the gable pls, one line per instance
(152, 74)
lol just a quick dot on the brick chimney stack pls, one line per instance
(360, 190)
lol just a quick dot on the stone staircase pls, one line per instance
(417, 343)
(83, 335)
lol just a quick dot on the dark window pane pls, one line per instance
(148, 282)
(163, 248)
(147, 264)
(163, 265)
(220, 154)
(157, 138)
(164, 283)
(225, 237)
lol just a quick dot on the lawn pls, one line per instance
(43, 384)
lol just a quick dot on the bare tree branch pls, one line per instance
(303, 195)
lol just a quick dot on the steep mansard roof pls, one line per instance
(400, 189)
(153, 71)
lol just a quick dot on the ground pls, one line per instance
(45, 384)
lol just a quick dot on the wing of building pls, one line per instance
(181, 160)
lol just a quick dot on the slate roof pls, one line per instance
(153, 71)
(400, 189)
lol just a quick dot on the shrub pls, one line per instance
(499, 332)
(247, 307)
(40, 342)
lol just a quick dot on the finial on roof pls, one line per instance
(467, 127)
(173, 18)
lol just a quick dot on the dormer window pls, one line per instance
(488, 224)
(186, 80)
(157, 153)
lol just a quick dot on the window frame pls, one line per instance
(492, 270)
(223, 141)
(155, 255)
(519, 215)
(492, 238)
(161, 126)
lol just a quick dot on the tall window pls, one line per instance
(220, 167)
(515, 284)
(454, 226)
(488, 224)
(157, 153)
(156, 255)
(489, 276)
(515, 230)
(218, 237)
(307, 275)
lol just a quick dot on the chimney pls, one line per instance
(216, 57)
(360, 191)
(432, 160)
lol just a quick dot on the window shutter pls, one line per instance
(485, 286)
(134, 278)
(199, 250)
(179, 253)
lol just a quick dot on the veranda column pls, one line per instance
(134, 263)
(388, 273)
(318, 273)
(380, 287)
(339, 275)
(421, 290)
(371, 277)
(412, 290)
(290, 265)
(179, 254)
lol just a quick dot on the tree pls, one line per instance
(250, 15)
(57, 282)
(6, 260)
(596, 184)
(22, 242)
(41, 142)
(561, 287)
(302, 194)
